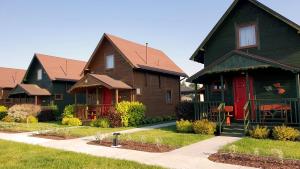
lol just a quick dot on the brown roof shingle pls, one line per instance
(33, 90)
(10, 77)
(135, 54)
(59, 68)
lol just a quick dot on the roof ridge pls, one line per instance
(58, 57)
(136, 43)
(12, 68)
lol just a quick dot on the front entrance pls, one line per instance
(240, 95)
(107, 96)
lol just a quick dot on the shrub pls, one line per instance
(48, 113)
(103, 123)
(259, 132)
(285, 133)
(184, 126)
(71, 121)
(8, 119)
(3, 112)
(31, 119)
(132, 113)
(114, 118)
(20, 112)
(204, 127)
(68, 111)
(185, 110)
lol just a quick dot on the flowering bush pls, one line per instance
(31, 119)
(260, 132)
(20, 112)
(184, 126)
(69, 111)
(3, 112)
(204, 127)
(71, 121)
(132, 113)
(285, 133)
(103, 123)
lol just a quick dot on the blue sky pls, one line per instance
(72, 28)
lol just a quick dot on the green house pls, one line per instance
(251, 67)
(47, 81)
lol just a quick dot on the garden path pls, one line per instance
(190, 157)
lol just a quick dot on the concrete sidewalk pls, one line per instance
(190, 157)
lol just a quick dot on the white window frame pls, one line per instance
(110, 61)
(39, 74)
(247, 36)
(138, 91)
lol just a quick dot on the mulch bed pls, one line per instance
(255, 161)
(53, 137)
(132, 145)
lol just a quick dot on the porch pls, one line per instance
(249, 90)
(101, 94)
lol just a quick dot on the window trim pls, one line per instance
(171, 99)
(39, 72)
(138, 94)
(106, 56)
(61, 97)
(218, 90)
(237, 32)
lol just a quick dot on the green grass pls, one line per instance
(23, 156)
(11, 126)
(90, 131)
(167, 136)
(264, 148)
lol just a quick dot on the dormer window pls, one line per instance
(110, 62)
(247, 36)
(39, 74)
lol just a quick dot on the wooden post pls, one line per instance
(247, 86)
(86, 102)
(117, 96)
(298, 95)
(222, 87)
(97, 95)
(75, 98)
(35, 100)
(197, 116)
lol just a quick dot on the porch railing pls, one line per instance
(274, 111)
(246, 110)
(90, 112)
(208, 110)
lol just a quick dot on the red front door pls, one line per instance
(240, 95)
(107, 96)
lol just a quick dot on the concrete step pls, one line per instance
(232, 134)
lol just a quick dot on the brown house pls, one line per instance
(121, 70)
(9, 78)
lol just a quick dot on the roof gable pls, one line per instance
(58, 68)
(200, 49)
(30, 90)
(10, 77)
(237, 61)
(135, 55)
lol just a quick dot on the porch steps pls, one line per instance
(234, 130)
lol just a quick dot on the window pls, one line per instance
(110, 62)
(216, 86)
(39, 74)
(247, 36)
(58, 97)
(138, 91)
(169, 97)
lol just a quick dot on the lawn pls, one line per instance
(90, 131)
(286, 149)
(23, 127)
(166, 136)
(23, 156)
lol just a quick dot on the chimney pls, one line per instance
(146, 53)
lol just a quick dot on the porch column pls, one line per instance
(222, 87)
(297, 85)
(35, 100)
(117, 96)
(247, 86)
(97, 95)
(75, 98)
(86, 102)
(196, 110)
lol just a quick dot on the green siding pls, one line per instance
(277, 40)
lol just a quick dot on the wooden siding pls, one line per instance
(153, 95)
(276, 40)
(122, 69)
